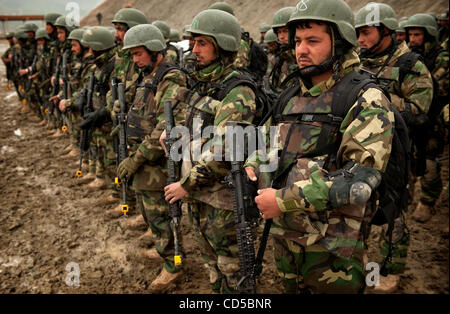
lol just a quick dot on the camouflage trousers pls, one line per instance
(105, 163)
(399, 246)
(154, 209)
(215, 232)
(75, 131)
(313, 269)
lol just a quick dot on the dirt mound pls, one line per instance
(250, 13)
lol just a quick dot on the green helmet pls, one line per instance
(41, 33)
(174, 36)
(185, 32)
(61, 22)
(385, 15)
(220, 25)
(270, 37)
(98, 38)
(21, 35)
(332, 11)
(264, 27)
(30, 27)
(9, 35)
(401, 26)
(163, 27)
(146, 35)
(76, 34)
(281, 17)
(223, 6)
(130, 17)
(425, 21)
(51, 18)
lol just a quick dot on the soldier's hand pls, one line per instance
(267, 203)
(174, 192)
(62, 105)
(127, 168)
(53, 81)
(161, 141)
(22, 72)
(55, 99)
(251, 173)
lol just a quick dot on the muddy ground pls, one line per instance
(48, 220)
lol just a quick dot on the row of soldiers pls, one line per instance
(112, 90)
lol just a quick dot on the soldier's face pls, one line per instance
(368, 36)
(76, 47)
(41, 42)
(140, 56)
(119, 35)
(49, 28)
(30, 35)
(401, 37)
(312, 45)
(204, 51)
(416, 37)
(283, 35)
(61, 34)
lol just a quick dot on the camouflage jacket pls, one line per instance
(146, 117)
(366, 130)
(416, 87)
(202, 178)
(440, 68)
(189, 61)
(126, 71)
(75, 73)
(172, 54)
(285, 64)
(44, 68)
(242, 59)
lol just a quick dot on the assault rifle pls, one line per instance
(122, 145)
(55, 90)
(30, 81)
(64, 89)
(246, 215)
(173, 176)
(114, 83)
(85, 138)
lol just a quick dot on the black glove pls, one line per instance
(94, 119)
(413, 120)
(80, 100)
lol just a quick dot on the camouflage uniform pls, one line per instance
(210, 201)
(242, 59)
(146, 114)
(416, 88)
(318, 249)
(284, 65)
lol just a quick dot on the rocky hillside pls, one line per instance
(250, 13)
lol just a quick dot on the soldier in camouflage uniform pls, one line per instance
(271, 41)
(285, 59)
(65, 47)
(209, 200)
(318, 241)
(7, 58)
(146, 164)
(171, 51)
(80, 59)
(127, 72)
(401, 31)
(22, 62)
(101, 43)
(263, 29)
(411, 92)
(422, 33)
(189, 58)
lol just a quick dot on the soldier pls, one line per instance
(217, 36)
(125, 71)
(7, 58)
(174, 36)
(271, 41)
(146, 164)
(285, 63)
(443, 27)
(172, 52)
(65, 47)
(101, 43)
(318, 244)
(407, 79)
(263, 29)
(189, 57)
(401, 31)
(81, 58)
(422, 33)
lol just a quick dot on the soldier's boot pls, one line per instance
(67, 149)
(57, 134)
(137, 223)
(422, 213)
(115, 212)
(42, 123)
(98, 183)
(108, 200)
(387, 284)
(25, 109)
(87, 178)
(146, 240)
(164, 281)
(74, 153)
(151, 254)
(35, 118)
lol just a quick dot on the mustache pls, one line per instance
(303, 58)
